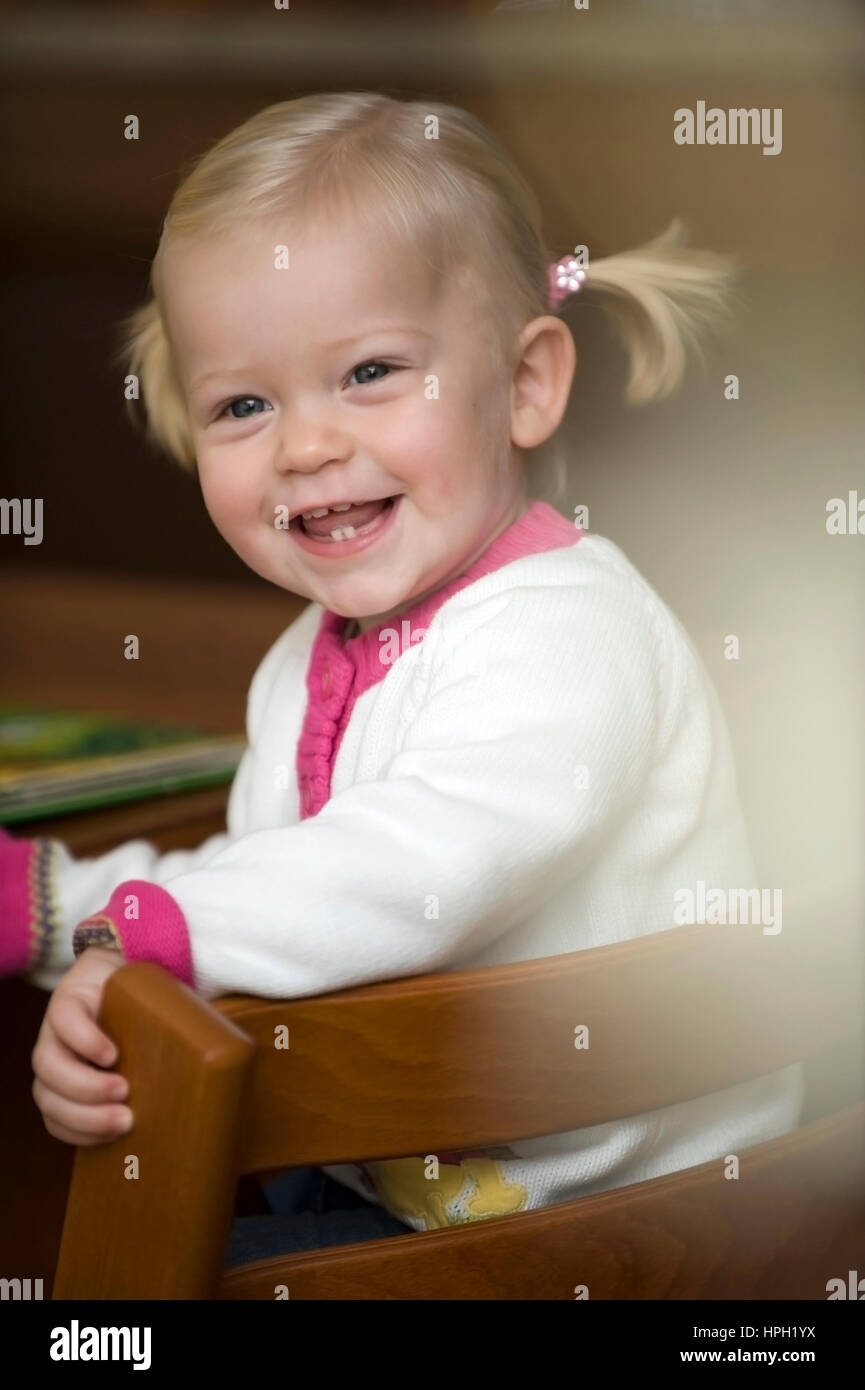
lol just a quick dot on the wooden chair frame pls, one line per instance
(468, 1059)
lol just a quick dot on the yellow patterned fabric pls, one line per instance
(437, 1194)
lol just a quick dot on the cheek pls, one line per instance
(226, 496)
(435, 434)
(408, 443)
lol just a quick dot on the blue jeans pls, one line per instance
(311, 1210)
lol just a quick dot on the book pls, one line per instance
(55, 762)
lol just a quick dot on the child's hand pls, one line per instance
(75, 1097)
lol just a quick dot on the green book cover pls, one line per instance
(57, 761)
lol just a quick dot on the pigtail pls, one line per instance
(664, 297)
(145, 352)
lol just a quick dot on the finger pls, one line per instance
(98, 1123)
(73, 1023)
(62, 1071)
(68, 1136)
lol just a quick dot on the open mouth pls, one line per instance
(344, 523)
(345, 529)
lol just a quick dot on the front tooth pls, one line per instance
(320, 511)
(343, 507)
(343, 533)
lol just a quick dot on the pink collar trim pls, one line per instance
(339, 672)
(540, 528)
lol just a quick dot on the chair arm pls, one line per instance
(160, 1196)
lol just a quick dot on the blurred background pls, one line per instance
(721, 504)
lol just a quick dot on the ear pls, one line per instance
(541, 381)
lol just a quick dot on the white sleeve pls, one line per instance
(78, 887)
(473, 822)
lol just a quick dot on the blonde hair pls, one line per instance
(458, 199)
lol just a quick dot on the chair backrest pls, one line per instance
(476, 1058)
(443, 1062)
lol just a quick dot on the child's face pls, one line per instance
(285, 420)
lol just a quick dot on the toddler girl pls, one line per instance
(486, 739)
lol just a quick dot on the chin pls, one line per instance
(369, 609)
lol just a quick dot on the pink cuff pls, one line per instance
(28, 921)
(146, 923)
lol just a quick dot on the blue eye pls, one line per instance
(245, 406)
(244, 401)
(368, 366)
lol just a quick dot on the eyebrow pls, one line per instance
(328, 347)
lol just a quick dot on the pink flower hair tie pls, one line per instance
(566, 276)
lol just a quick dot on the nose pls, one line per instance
(308, 441)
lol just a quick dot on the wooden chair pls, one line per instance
(462, 1060)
